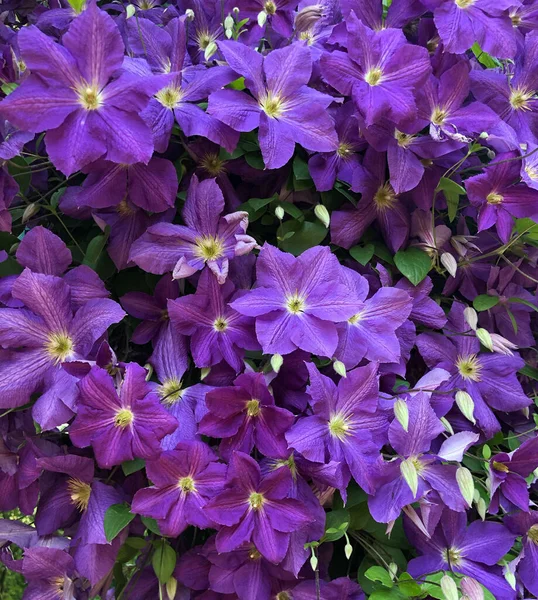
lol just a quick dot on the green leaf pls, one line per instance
(529, 227)
(255, 160)
(485, 302)
(77, 5)
(386, 594)
(117, 517)
(408, 586)
(512, 319)
(484, 58)
(452, 192)
(132, 466)
(529, 371)
(336, 524)
(94, 249)
(163, 561)
(151, 525)
(237, 84)
(413, 263)
(525, 302)
(362, 254)
(292, 210)
(304, 236)
(7, 88)
(379, 574)
(300, 169)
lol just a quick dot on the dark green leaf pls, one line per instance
(408, 586)
(132, 466)
(529, 371)
(413, 263)
(151, 525)
(452, 192)
(305, 235)
(336, 524)
(525, 302)
(163, 561)
(255, 160)
(94, 249)
(485, 302)
(379, 574)
(300, 169)
(362, 254)
(117, 517)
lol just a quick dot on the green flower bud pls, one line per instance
(322, 214)
(276, 362)
(410, 475)
(449, 587)
(466, 405)
(210, 50)
(340, 368)
(485, 338)
(466, 484)
(401, 412)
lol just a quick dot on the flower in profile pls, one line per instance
(81, 96)
(184, 479)
(245, 416)
(208, 238)
(525, 524)
(258, 509)
(298, 301)
(120, 426)
(284, 108)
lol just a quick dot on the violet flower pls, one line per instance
(526, 524)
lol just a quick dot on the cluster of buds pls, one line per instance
(492, 341)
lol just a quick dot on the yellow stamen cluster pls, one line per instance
(494, 198)
(124, 209)
(519, 99)
(403, 139)
(344, 150)
(532, 534)
(169, 97)
(79, 492)
(451, 555)
(295, 303)
(220, 324)
(270, 7)
(187, 485)
(469, 367)
(59, 346)
(170, 391)
(464, 3)
(89, 97)
(438, 116)
(212, 164)
(385, 197)
(501, 467)
(253, 408)
(272, 105)
(204, 38)
(373, 76)
(339, 426)
(123, 418)
(209, 247)
(58, 584)
(256, 500)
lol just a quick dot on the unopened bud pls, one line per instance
(481, 508)
(393, 570)
(276, 362)
(279, 213)
(472, 589)
(401, 412)
(189, 13)
(410, 475)
(471, 316)
(466, 484)
(348, 548)
(262, 18)
(510, 577)
(228, 33)
(149, 369)
(322, 214)
(449, 263)
(484, 135)
(229, 22)
(30, 211)
(340, 368)
(130, 11)
(308, 17)
(13, 248)
(204, 372)
(171, 588)
(491, 154)
(485, 338)
(211, 48)
(466, 405)
(449, 588)
(313, 560)
(447, 425)
(235, 10)
(501, 345)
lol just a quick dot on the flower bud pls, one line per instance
(472, 589)
(276, 362)
(204, 372)
(149, 369)
(189, 13)
(171, 588)
(491, 154)
(30, 211)
(466, 405)
(235, 10)
(322, 214)
(228, 33)
(211, 48)
(308, 17)
(348, 548)
(262, 18)
(313, 560)
(466, 484)
(340, 368)
(501, 345)
(471, 316)
(410, 475)
(130, 11)
(481, 508)
(447, 425)
(229, 22)
(510, 577)
(449, 587)
(401, 412)
(393, 570)
(484, 135)
(279, 213)
(485, 338)
(449, 263)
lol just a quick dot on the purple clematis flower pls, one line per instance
(282, 106)
(245, 415)
(381, 71)
(80, 96)
(498, 198)
(342, 588)
(43, 335)
(298, 301)
(370, 333)
(526, 525)
(184, 480)
(279, 13)
(507, 474)
(217, 331)
(346, 426)
(50, 573)
(256, 508)
(472, 551)
(121, 426)
(208, 238)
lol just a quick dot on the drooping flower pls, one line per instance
(208, 238)
(298, 301)
(121, 426)
(184, 479)
(282, 106)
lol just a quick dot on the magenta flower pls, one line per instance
(121, 426)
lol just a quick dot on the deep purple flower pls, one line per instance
(184, 480)
(282, 106)
(50, 573)
(256, 508)
(245, 415)
(526, 525)
(121, 426)
(207, 237)
(298, 301)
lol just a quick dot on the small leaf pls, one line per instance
(336, 525)
(484, 58)
(379, 574)
(94, 249)
(452, 192)
(525, 302)
(163, 561)
(117, 517)
(413, 263)
(151, 525)
(408, 586)
(485, 302)
(529, 371)
(362, 254)
(132, 466)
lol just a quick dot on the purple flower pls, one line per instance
(184, 480)
(50, 573)
(245, 415)
(121, 426)
(73, 96)
(499, 199)
(208, 238)
(298, 301)
(526, 525)
(43, 335)
(282, 106)
(345, 426)
(256, 508)
(381, 71)
(279, 13)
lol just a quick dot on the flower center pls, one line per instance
(531, 172)
(169, 96)
(516, 20)
(58, 584)
(339, 426)
(403, 139)
(256, 500)
(209, 247)
(204, 38)
(269, 7)
(170, 391)
(373, 76)
(89, 97)
(494, 198)
(79, 492)
(212, 164)
(254, 554)
(354, 319)
(59, 347)
(501, 467)
(186, 484)
(307, 36)
(385, 197)
(272, 105)
(220, 324)
(438, 116)
(124, 210)
(519, 99)
(469, 367)
(295, 304)
(344, 150)
(283, 596)
(253, 408)
(451, 555)
(464, 3)
(532, 534)
(123, 418)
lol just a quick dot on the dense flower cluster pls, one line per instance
(268, 299)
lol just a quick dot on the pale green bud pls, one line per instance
(393, 570)
(410, 475)
(130, 10)
(340, 368)
(276, 362)
(511, 578)
(481, 508)
(466, 405)
(210, 50)
(449, 263)
(348, 548)
(30, 211)
(171, 588)
(449, 587)
(279, 213)
(189, 13)
(322, 214)
(149, 369)
(229, 22)
(401, 412)
(313, 560)
(471, 316)
(466, 484)
(447, 425)
(204, 372)
(262, 18)
(228, 33)
(484, 337)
